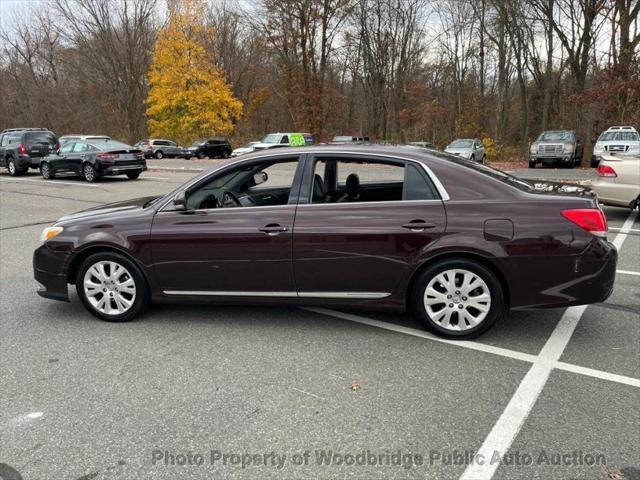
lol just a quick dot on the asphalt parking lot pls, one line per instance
(204, 392)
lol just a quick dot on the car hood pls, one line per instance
(265, 146)
(108, 209)
(458, 151)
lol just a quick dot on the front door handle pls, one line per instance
(418, 225)
(273, 229)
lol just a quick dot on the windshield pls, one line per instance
(272, 138)
(555, 136)
(619, 136)
(461, 144)
(197, 143)
(343, 139)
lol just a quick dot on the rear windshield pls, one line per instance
(111, 145)
(555, 137)
(485, 170)
(33, 138)
(619, 136)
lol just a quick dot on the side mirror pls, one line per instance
(260, 177)
(180, 201)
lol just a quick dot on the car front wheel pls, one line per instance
(159, 155)
(458, 298)
(112, 287)
(133, 176)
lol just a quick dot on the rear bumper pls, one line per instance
(121, 170)
(566, 281)
(49, 271)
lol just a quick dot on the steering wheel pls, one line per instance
(229, 200)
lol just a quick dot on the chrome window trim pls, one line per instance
(328, 295)
(444, 195)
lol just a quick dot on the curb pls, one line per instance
(177, 169)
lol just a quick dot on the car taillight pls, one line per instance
(22, 149)
(591, 219)
(606, 171)
(105, 157)
(139, 155)
(149, 147)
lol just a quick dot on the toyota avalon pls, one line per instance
(455, 242)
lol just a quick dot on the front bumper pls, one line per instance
(551, 159)
(49, 271)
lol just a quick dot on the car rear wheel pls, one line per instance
(13, 168)
(458, 298)
(159, 155)
(532, 164)
(89, 173)
(46, 171)
(472, 158)
(133, 176)
(112, 287)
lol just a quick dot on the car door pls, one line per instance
(58, 161)
(363, 247)
(73, 159)
(208, 250)
(4, 140)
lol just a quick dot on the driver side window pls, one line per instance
(259, 184)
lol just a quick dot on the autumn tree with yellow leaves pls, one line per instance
(188, 95)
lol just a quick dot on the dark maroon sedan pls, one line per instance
(381, 228)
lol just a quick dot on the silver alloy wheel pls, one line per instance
(89, 173)
(46, 171)
(109, 287)
(12, 167)
(457, 300)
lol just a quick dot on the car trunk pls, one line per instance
(40, 144)
(126, 157)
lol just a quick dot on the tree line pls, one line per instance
(394, 70)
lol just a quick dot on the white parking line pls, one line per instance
(626, 228)
(590, 372)
(481, 347)
(506, 429)
(50, 183)
(628, 272)
(632, 230)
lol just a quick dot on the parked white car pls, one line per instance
(471, 148)
(619, 139)
(618, 181)
(248, 148)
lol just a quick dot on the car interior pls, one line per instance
(334, 181)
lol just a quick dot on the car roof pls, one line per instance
(13, 130)
(619, 128)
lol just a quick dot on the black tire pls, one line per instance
(159, 155)
(13, 168)
(472, 158)
(141, 301)
(46, 171)
(133, 176)
(484, 160)
(89, 173)
(532, 164)
(200, 155)
(225, 154)
(497, 307)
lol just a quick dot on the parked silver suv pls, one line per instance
(560, 148)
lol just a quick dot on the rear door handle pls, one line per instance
(418, 225)
(273, 229)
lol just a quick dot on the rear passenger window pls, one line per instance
(416, 186)
(341, 181)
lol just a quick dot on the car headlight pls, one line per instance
(598, 148)
(533, 148)
(49, 233)
(568, 147)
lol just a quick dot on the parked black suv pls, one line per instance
(212, 148)
(22, 148)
